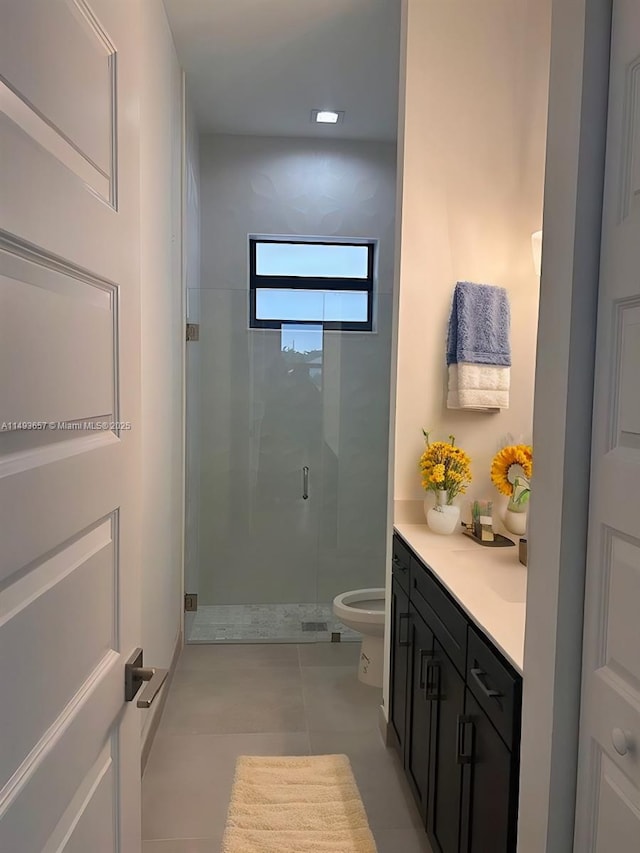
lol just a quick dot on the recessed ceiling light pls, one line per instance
(327, 116)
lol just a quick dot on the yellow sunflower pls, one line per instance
(502, 476)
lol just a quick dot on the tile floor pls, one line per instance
(230, 700)
(260, 623)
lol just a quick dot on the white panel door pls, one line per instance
(608, 809)
(69, 389)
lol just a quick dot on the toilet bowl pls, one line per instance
(362, 610)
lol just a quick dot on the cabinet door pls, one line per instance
(445, 686)
(489, 801)
(399, 662)
(418, 726)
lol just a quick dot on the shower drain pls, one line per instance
(314, 626)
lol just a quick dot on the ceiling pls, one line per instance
(260, 66)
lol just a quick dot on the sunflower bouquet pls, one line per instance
(511, 471)
(444, 468)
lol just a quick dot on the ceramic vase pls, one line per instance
(515, 517)
(442, 518)
(515, 522)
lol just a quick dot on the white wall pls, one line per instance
(473, 158)
(290, 187)
(161, 337)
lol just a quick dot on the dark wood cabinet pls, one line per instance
(418, 723)
(455, 707)
(400, 643)
(490, 788)
(445, 784)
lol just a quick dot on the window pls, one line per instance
(311, 282)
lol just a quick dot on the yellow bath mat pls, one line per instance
(307, 804)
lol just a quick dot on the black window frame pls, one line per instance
(294, 282)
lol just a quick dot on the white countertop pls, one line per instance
(490, 584)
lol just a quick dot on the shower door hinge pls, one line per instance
(193, 331)
(190, 601)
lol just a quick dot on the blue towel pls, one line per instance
(479, 325)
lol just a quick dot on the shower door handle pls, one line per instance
(305, 482)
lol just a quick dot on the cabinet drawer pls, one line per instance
(445, 619)
(401, 562)
(496, 686)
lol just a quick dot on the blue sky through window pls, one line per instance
(301, 338)
(310, 260)
(320, 305)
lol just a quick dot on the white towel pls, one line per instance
(478, 386)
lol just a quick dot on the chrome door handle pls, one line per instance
(305, 482)
(135, 673)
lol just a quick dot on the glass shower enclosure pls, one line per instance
(287, 461)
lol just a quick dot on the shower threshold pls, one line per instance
(267, 623)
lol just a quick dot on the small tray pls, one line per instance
(499, 541)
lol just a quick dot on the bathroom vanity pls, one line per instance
(457, 646)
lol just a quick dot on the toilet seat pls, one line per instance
(346, 606)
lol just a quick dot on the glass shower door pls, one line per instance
(252, 475)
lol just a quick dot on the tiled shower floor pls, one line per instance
(264, 623)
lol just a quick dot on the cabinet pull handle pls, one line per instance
(432, 681)
(424, 653)
(462, 756)
(398, 565)
(478, 677)
(305, 483)
(401, 618)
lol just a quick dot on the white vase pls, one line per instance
(442, 518)
(515, 522)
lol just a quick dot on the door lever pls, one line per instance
(135, 673)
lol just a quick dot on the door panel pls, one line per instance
(48, 308)
(618, 809)
(445, 785)
(608, 808)
(418, 725)
(489, 798)
(79, 107)
(43, 602)
(69, 403)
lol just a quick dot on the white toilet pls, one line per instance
(362, 610)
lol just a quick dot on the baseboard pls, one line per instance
(152, 728)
